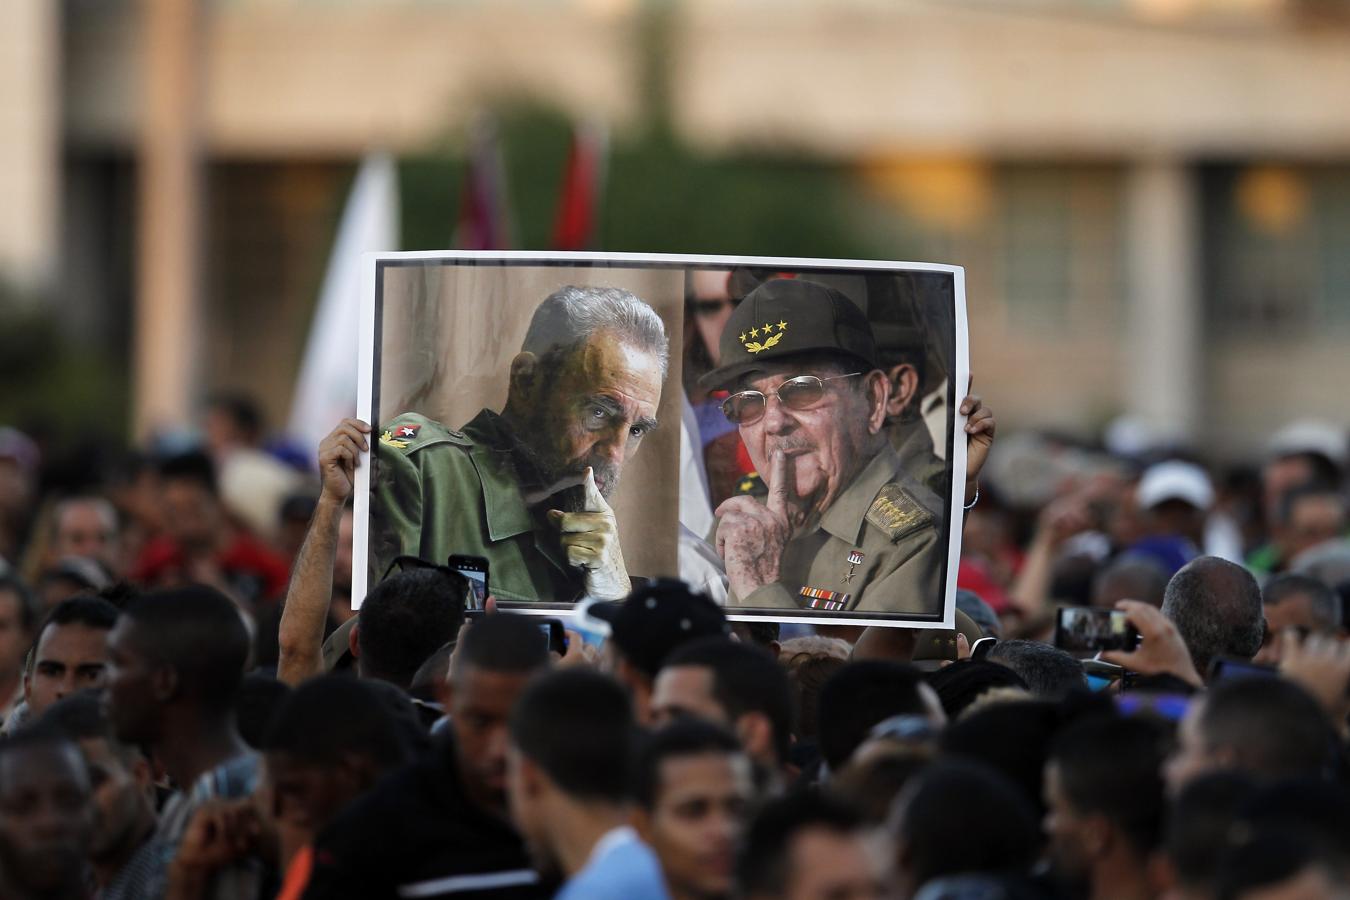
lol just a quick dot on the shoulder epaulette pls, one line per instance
(896, 512)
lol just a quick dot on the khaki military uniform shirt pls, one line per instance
(879, 548)
(436, 492)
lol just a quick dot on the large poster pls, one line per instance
(783, 433)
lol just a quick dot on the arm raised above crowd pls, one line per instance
(311, 589)
(1161, 650)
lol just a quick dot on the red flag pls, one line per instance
(483, 221)
(583, 182)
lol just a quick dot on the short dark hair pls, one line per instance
(1049, 672)
(200, 632)
(859, 696)
(502, 642)
(194, 466)
(1198, 824)
(1216, 606)
(1322, 600)
(243, 410)
(962, 683)
(1013, 739)
(962, 817)
(28, 606)
(85, 609)
(328, 717)
(1290, 498)
(1266, 858)
(763, 865)
(577, 725)
(39, 735)
(745, 679)
(760, 633)
(687, 737)
(259, 696)
(406, 618)
(1112, 766)
(1274, 728)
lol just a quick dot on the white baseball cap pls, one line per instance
(1175, 480)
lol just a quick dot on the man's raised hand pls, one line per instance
(339, 455)
(751, 537)
(590, 539)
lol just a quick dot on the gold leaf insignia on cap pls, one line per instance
(896, 512)
(757, 346)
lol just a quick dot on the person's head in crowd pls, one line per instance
(70, 653)
(862, 694)
(761, 634)
(233, 420)
(329, 741)
(1104, 792)
(1199, 821)
(1129, 577)
(120, 776)
(1268, 728)
(404, 620)
(585, 343)
(807, 676)
(571, 742)
(708, 302)
(1274, 865)
(1013, 739)
(739, 686)
(493, 662)
(962, 683)
(1298, 602)
(46, 817)
(1175, 495)
(18, 618)
(981, 613)
(1300, 455)
(1216, 606)
(896, 751)
(1315, 810)
(693, 786)
(656, 618)
(193, 515)
(960, 817)
(1309, 515)
(1050, 673)
(69, 577)
(809, 845)
(176, 660)
(88, 527)
(254, 705)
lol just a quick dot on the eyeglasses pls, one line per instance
(802, 392)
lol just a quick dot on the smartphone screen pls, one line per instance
(475, 569)
(554, 635)
(1086, 629)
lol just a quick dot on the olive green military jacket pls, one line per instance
(436, 491)
(879, 548)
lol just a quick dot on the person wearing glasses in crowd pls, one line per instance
(844, 527)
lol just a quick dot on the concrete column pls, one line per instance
(168, 291)
(1164, 364)
(30, 141)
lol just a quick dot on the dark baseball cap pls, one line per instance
(658, 617)
(787, 317)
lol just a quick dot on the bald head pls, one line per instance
(1216, 607)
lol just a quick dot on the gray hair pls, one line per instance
(571, 315)
(1216, 606)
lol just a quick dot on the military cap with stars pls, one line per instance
(788, 317)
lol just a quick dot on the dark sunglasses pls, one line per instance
(802, 392)
(713, 307)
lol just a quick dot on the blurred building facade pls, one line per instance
(1151, 198)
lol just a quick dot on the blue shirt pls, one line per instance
(621, 867)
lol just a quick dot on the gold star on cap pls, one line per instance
(754, 332)
(782, 326)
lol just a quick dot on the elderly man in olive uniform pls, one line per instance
(844, 526)
(527, 488)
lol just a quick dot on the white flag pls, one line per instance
(325, 391)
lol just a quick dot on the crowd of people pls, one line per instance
(192, 709)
